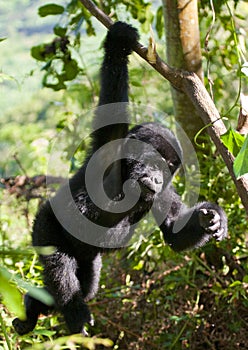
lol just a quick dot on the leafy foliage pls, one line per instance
(156, 298)
(241, 161)
(60, 64)
(233, 141)
(224, 51)
(238, 145)
(60, 67)
(50, 9)
(72, 341)
(11, 296)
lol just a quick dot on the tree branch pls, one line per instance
(30, 187)
(191, 85)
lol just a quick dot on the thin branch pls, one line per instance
(96, 12)
(191, 85)
(30, 187)
(19, 164)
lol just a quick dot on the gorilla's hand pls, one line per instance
(214, 222)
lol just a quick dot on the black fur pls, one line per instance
(71, 273)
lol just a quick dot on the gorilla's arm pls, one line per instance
(111, 116)
(186, 228)
(111, 119)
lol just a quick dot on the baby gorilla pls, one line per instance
(137, 181)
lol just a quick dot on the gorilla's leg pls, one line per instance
(89, 275)
(34, 308)
(61, 278)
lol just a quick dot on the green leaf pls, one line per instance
(37, 52)
(90, 29)
(59, 31)
(71, 69)
(44, 332)
(38, 293)
(235, 284)
(245, 279)
(139, 266)
(160, 21)
(11, 296)
(233, 141)
(240, 165)
(50, 9)
(136, 83)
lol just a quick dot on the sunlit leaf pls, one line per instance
(90, 30)
(245, 279)
(233, 141)
(136, 83)
(38, 293)
(139, 266)
(240, 165)
(11, 295)
(50, 9)
(37, 52)
(71, 69)
(44, 332)
(59, 31)
(159, 21)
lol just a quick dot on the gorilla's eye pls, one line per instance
(153, 159)
(161, 163)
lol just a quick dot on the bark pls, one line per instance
(191, 85)
(184, 52)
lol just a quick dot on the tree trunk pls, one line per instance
(184, 52)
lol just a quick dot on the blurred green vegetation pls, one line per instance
(153, 298)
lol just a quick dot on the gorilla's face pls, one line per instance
(151, 159)
(149, 173)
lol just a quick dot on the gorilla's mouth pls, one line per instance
(147, 189)
(149, 185)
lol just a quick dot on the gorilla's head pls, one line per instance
(152, 155)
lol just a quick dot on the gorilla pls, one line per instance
(95, 213)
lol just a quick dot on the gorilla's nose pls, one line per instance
(153, 183)
(158, 180)
(157, 183)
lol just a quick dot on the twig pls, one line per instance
(191, 85)
(24, 186)
(19, 164)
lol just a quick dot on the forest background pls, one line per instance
(153, 298)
